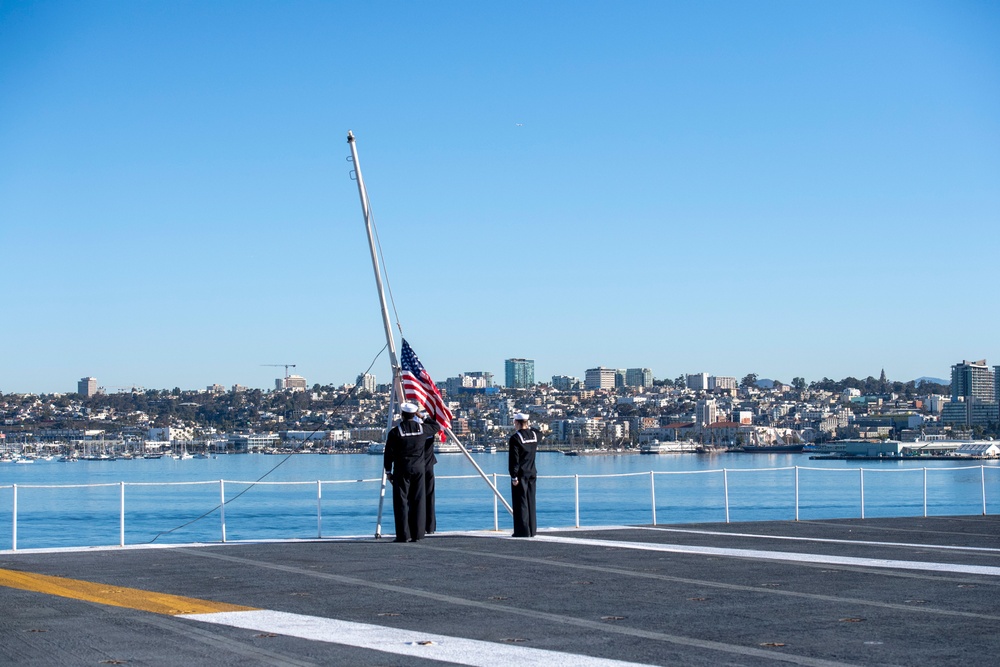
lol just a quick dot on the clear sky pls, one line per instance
(781, 187)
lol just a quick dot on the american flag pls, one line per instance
(419, 388)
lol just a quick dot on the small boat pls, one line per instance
(447, 448)
(377, 448)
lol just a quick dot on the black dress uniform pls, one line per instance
(429, 485)
(404, 458)
(521, 462)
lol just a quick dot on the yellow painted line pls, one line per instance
(117, 596)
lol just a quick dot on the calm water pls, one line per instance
(183, 497)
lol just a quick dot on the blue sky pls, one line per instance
(785, 188)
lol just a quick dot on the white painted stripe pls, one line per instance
(946, 547)
(402, 642)
(782, 556)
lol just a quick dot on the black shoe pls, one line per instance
(415, 539)
(399, 540)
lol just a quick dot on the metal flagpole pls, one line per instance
(397, 388)
(480, 470)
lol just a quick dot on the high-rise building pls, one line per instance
(972, 379)
(600, 378)
(366, 381)
(519, 373)
(87, 387)
(295, 382)
(638, 377)
(721, 382)
(697, 381)
(565, 382)
(706, 411)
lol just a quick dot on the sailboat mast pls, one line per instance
(366, 210)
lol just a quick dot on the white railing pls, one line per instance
(652, 475)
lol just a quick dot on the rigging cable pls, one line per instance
(385, 271)
(280, 463)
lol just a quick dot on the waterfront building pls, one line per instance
(519, 373)
(87, 387)
(638, 377)
(600, 378)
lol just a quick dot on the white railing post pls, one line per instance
(862, 471)
(496, 508)
(576, 497)
(725, 489)
(121, 516)
(319, 509)
(222, 506)
(652, 493)
(796, 493)
(982, 470)
(925, 492)
(13, 538)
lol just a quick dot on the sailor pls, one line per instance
(405, 466)
(430, 459)
(521, 462)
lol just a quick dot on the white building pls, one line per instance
(697, 381)
(600, 378)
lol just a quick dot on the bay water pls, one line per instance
(168, 501)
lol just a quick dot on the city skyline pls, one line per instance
(690, 187)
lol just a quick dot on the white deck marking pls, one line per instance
(820, 539)
(402, 642)
(781, 556)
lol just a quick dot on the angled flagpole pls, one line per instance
(397, 387)
(397, 390)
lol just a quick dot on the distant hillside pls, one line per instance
(765, 383)
(921, 380)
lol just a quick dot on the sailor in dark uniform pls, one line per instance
(405, 466)
(430, 459)
(521, 462)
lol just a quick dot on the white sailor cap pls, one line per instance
(521, 417)
(409, 408)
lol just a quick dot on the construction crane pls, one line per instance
(286, 367)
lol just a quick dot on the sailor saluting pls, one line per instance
(405, 466)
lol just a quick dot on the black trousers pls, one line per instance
(409, 505)
(523, 496)
(429, 494)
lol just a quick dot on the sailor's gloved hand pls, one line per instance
(513, 481)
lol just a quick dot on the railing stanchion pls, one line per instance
(121, 515)
(982, 471)
(925, 492)
(725, 489)
(652, 493)
(862, 471)
(13, 538)
(319, 509)
(222, 506)
(576, 497)
(496, 508)
(796, 493)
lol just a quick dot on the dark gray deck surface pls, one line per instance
(611, 601)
